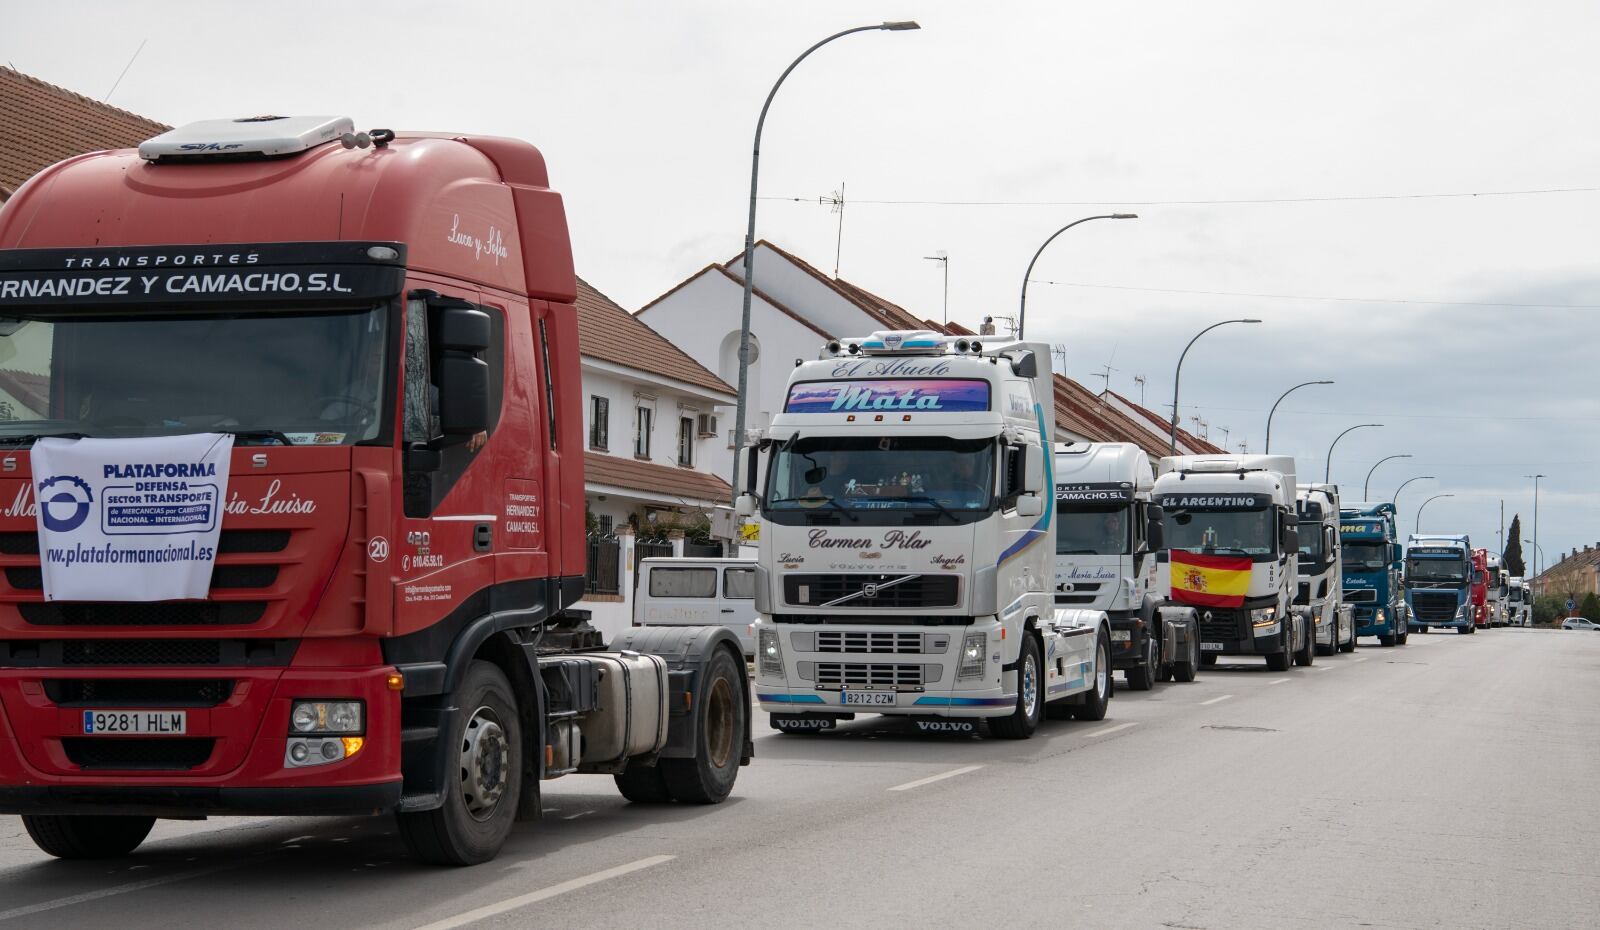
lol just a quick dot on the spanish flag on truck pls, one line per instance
(1209, 580)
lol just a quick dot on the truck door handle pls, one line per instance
(727, 610)
(482, 537)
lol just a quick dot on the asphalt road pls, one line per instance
(1448, 783)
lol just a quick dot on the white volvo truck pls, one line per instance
(905, 564)
(1233, 553)
(1321, 561)
(1108, 534)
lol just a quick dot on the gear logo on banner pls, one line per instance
(66, 509)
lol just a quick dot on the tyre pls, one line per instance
(1403, 636)
(1093, 703)
(87, 836)
(484, 740)
(1143, 677)
(1208, 659)
(1186, 670)
(1308, 652)
(1351, 645)
(1030, 695)
(1279, 661)
(723, 719)
(642, 784)
(1165, 674)
(1386, 639)
(1464, 629)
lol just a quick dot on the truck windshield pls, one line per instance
(1230, 532)
(1453, 571)
(1363, 556)
(1311, 543)
(862, 473)
(296, 377)
(1089, 530)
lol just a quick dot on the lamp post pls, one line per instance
(1366, 487)
(750, 232)
(1395, 500)
(1424, 504)
(1022, 308)
(1172, 442)
(1279, 401)
(1327, 468)
(1536, 550)
(943, 258)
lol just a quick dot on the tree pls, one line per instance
(1548, 609)
(1513, 556)
(1590, 607)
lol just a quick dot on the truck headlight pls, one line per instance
(1378, 615)
(769, 653)
(972, 648)
(1266, 616)
(327, 717)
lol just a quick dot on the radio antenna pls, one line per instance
(1139, 380)
(836, 201)
(107, 97)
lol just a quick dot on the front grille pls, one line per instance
(141, 652)
(146, 613)
(137, 692)
(1434, 606)
(19, 543)
(913, 591)
(878, 619)
(870, 642)
(868, 675)
(137, 754)
(1361, 596)
(1220, 625)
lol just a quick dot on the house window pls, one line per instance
(641, 433)
(599, 423)
(686, 442)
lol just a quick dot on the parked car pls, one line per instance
(698, 592)
(1579, 623)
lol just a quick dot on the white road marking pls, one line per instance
(1277, 681)
(1216, 700)
(97, 894)
(577, 815)
(1326, 668)
(1360, 658)
(933, 778)
(1104, 731)
(543, 894)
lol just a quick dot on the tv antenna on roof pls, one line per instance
(1105, 377)
(1139, 380)
(836, 201)
(1224, 442)
(1058, 352)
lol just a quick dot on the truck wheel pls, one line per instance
(483, 739)
(722, 713)
(1094, 702)
(1030, 697)
(1208, 659)
(642, 784)
(1185, 671)
(1351, 645)
(1142, 677)
(1307, 653)
(1279, 661)
(1402, 636)
(87, 836)
(1464, 629)
(1386, 639)
(1165, 674)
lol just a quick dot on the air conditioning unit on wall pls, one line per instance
(706, 424)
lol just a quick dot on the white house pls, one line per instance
(652, 436)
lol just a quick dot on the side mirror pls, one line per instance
(1033, 470)
(1029, 505)
(1025, 367)
(1155, 532)
(1291, 539)
(745, 505)
(463, 377)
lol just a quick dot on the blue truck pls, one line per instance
(1370, 550)
(1439, 583)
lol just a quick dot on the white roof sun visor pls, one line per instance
(250, 137)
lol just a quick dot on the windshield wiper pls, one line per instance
(259, 434)
(1083, 552)
(831, 503)
(33, 437)
(924, 499)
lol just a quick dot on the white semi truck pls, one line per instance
(1108, 534)
(1321, 590)
(1233, 552)
(905, 563)
(1519, 608)
(1499, 594)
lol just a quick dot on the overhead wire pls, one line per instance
(1327, 198)
(1362, 300)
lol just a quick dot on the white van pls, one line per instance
(698, 592)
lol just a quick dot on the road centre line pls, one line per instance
(1277, 681)
(543, 894)
(1216, 700)
(97, 894)
(1360, 658)
(933, 778)
(1326, 668)
(1106, 731)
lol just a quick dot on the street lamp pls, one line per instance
(1279, 401)
(1395, 500)
(1424, 504)
(1022, 309)
(943, 258)
(1366, 487)
(1327, 469)
(750, 232)
(1172, 442)
(1536, 559)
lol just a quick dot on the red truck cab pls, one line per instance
(384, 323)
(1479, 593)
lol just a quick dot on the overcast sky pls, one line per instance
(645, 111)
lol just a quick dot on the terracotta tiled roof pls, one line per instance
(41, 124)
(612, 334)
(887, 313)
(665, 480)
(31, 389)
(1079, 410)
(1164, 427)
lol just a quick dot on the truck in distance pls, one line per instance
(1321, 590)
(1495, 579)
(1518, 610)
(1370, 552)
(1232, 549)
(905, 565)
(379, 365)
(1438, 583)
(1481, 598)
(1108, 534)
